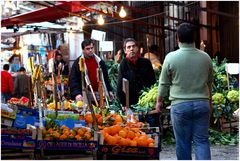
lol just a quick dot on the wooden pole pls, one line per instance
(100, 87)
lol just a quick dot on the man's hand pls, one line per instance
(111, 95)
(79, 98)
(124, 109)
(210, 104)
(159, 104)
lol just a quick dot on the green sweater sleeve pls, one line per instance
(164, 80)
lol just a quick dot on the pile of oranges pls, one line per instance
(126, 136)
(111, 119)
(64, 133)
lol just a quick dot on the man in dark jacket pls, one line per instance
(22, 84)
(137, 70)
(92, 62)
(59, 60)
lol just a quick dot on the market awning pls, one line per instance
(51, 13)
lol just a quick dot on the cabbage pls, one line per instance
(218, 99)
(233, 96)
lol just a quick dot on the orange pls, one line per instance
(129, 124)
(140, 124)
(50, 131)
(75, 129)
(106, 129)
(123, 142)
(81, 132)
(73, 132)
(105, 134)
(112, 131)
(150, 140)
(70, 136)
(63, 137)
(137, 134)
(78, 137)
(113, 115)
(87, 135)
(112, 140)
(88, 118)
(66, 132)
(142, 142)
(100, 120)
(128, 142)
(117, 128)
(98, 116)
(136, 138)
(118, 138)
(84, 129)
(144, 136)
(64, 127)
(130, 135)
(150, 145)
(118, 120)
(133, 143)
(122, 133)
(81, 117)
(56, 134)
(135, 129)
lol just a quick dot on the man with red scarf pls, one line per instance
(92, 62)
(137, 70)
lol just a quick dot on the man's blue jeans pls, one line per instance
(190, 122)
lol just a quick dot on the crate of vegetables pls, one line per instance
(129, 142)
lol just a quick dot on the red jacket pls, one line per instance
(6, 82)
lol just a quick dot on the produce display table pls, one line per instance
(17, 143)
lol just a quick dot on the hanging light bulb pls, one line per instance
(80, 23)
(122, 12)
(100, 20)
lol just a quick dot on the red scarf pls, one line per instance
(134, 59)
(92, 66)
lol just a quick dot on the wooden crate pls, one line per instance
(118, 152)
(229, 125)
(17, 153)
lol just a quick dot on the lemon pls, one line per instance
(80, 104)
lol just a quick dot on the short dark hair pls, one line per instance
(185, 33)
(6, 67)
(127, 40)
(22, 69)
(86, 43)
(58, 53)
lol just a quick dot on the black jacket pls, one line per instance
(75, 80)
(65, 70)
(139, 76)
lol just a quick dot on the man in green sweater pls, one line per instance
(187, 74)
